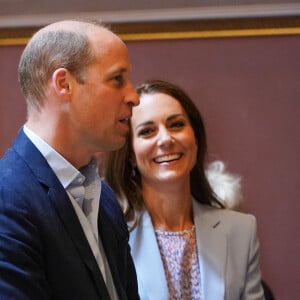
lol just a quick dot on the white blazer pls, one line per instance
(227, 248)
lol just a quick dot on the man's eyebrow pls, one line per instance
(119, 70)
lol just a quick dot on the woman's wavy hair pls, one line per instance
(125, 179)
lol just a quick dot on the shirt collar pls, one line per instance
(65, 172)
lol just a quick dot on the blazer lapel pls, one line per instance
(212, 245)
(148, 262)
(62, 204)
(72, 225)
(212, 252)
(110, 245)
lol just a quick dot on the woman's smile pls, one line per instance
(163, 139)
(167, 158)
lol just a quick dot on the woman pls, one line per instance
(184, 245)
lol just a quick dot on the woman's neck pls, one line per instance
(170, 209)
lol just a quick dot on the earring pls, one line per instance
(133, 172)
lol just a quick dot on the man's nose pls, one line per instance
(132, 98)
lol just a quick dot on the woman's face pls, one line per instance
(163, 140)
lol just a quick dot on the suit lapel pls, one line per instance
(114, 235)
(212, 245)
(107, 236)
(72, 225)
(148, 262)
(62, 204)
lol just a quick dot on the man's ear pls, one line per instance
(61, 82)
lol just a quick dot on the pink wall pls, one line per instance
(249, 94)
(12, 105)
(248, 91)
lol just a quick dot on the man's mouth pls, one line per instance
(125, 121)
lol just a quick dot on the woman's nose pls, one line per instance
(165, 139)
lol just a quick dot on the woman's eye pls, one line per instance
(144, 132)
(178, 124)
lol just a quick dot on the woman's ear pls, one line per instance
(61, 82)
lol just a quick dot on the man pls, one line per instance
(57, 241)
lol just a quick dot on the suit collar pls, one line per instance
(34, 160)
(64, 170)
(58, 197)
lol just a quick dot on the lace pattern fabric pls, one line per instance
(179, 255)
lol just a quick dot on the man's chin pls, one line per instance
(119, 143)
(113, 144)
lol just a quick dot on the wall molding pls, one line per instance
(164, 30)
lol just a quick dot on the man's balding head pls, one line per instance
(66, 44)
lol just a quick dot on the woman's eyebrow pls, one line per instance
(144, 124)
(174, 116)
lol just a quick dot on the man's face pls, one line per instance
(102, 105)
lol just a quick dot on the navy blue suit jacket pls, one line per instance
(44, 253)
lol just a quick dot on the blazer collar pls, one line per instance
(211, 247)
(212, 250)
(148, 263)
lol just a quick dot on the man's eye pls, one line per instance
(119, 79)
